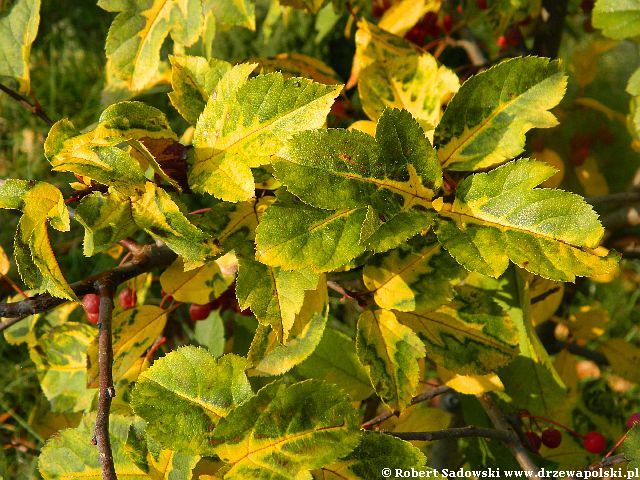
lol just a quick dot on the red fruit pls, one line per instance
(535, 442)
(482, 4)
(501, 41)
(633, 419)
(551, 438)
(459, 9)
(416, 35)
(127, 298)
(93, 317)
(594, 442)
(91, 303)
(514, 37)
(199, 312)
(447, 23)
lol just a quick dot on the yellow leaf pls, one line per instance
(471, 384)
(551, 157)
(5, 264)
(591, 178)
(402, 16)
(589, 322)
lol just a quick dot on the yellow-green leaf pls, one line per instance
(18, 30)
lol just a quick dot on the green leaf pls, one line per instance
(486, 121)
(18, 30)
(499, 216)
(193, 80)
(106, 218)
(270, 357)
(210, 333)
(469, 336)
(390, 351)
(137, 33)
(199, 285)
(417, 277)
(71, 454)
(274, 295)
(295, 236)
(246, 123)
(396, 170)
(335, 361)
(184, 394)
(61, 366)
(399, 228)
(375, 452)
(285, 431)
(157, 214)
(631, 448)
(617, 18)
(232, 12)
(412, 82)
(134, 332)
(40, 203)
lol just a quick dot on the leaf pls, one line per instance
(134, 332)
(312, 6)
(246, 123)
(374, 43)
(171, 465)
(137, 33)
(157, 214)
(375, 452)
(61, 366)
(210, 333)
(471, 384)
(412, 82)
(499, 216)
(390, 352)
(396, 170)
(72, 455)
(486, 121)
(18, 30)
(5, 263)
(400, 228)
(40, 203)
(418, 277)
(193, 80)
(405, 14)
(335, 361)
(184, 394)
(469, 336)
(299, 65)
(631, 448)
(287, 430)
(199, 285)
(617, 19)
(270, 357)
(232, 12)
(299, 237)
(623, 357)
(106, 218)
(274, 295)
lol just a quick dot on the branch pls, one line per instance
(463, 432)
(106, 391)
(417, 399)
(516, 446)
(134, 247)
(151, 257)
(34, 108)
(609, 462)
(549, 30)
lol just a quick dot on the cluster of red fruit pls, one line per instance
(91, 303)
(593, 442)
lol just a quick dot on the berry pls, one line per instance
(501, 41)
(633, 419)
(199, 312)
(514, 37)
(416, 35)
(594, 442)
(93, 317)
(447, 23)
(482, 4)
(534, 440)
(551, 438)
(127, 298)
(91, 303)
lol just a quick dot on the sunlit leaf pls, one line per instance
(18, 30)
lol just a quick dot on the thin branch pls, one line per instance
(609, 462)
(106, 391)
(517, 448)
(417, 399)
(618, 197)
(463, 432)
(151, 257)
(34, 108)
(130, 244)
